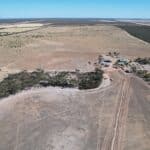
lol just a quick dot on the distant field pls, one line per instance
(140, 31)
(134, 27)
(18, 28)
(64, 44)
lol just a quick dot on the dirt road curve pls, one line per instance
(112, 118)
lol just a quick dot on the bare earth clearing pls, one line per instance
(111, 118)
(114, 117)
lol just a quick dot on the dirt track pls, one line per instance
(113, 140)
(111, 118)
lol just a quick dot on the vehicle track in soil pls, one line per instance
(115, 133)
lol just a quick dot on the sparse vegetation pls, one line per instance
(141, 73)
(24, 80)
(90, 80)
(15, 43)
(143, 61)
(147, 77)
(37, 36)
(4, 33)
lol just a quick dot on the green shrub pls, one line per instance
(141, 73)
(143, 61)
(23, 80)
(147, 77)
(90, 80)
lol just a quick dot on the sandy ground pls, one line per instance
(108, 118)
(63, 47)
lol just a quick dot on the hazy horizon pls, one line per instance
(76, 18)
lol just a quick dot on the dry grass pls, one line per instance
(67, 47)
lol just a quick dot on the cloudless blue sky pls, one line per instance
(75, 8)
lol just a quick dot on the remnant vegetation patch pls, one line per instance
(25, 80)
(140, 31)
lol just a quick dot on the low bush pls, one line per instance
(24, 80)
(147, 77)
(90, 80)
(143, 61)
(141, 73)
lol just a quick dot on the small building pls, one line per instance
(105, 64)
(105, 61)
(122, 61)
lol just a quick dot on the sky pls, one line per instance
(74, 8)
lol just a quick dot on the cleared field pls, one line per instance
(21, 25)
(63, 47)
(7, 29)
(16, 29)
